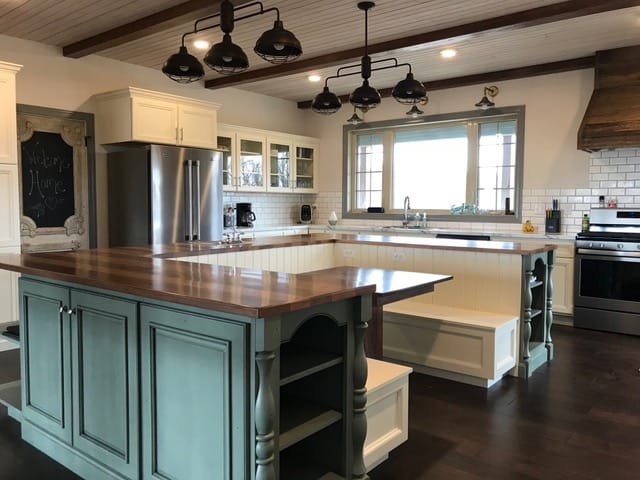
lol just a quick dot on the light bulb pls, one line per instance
(226, 59)
(278, 46)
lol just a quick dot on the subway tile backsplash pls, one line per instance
(612, 173)
(272, 209)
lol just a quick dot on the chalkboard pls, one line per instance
(47, 179)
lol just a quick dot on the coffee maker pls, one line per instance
(244, 215)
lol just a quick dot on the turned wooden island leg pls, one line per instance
(265, 424)
(373, 336)
(359, 432)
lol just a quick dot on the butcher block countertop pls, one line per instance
(149, 272)
(202, 248)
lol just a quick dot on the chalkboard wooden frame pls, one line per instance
(73, 134)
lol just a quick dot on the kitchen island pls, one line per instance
(138, 366)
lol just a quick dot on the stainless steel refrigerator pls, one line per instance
(161, 194)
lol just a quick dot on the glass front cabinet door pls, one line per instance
(306, 167)
(279, 161)
(251, 162)
(226, 144)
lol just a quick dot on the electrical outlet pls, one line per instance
(398, 257)
(347, 253)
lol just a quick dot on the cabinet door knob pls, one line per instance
(67, 310)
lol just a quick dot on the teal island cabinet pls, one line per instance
(137, 367)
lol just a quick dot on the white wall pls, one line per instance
(555, 105)
(48, 79)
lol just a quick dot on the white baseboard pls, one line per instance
(7, 345)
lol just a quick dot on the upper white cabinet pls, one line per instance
(9, 189)
(262, 160)
(8, 144)
(134, 114)
(306, 165)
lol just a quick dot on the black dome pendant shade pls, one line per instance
(365, 96)
(278, 45)
(409, 91)
(226, 57)
(326, 102)
(182, 67)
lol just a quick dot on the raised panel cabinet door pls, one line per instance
(105, 380)
(45, 357)
(194, 396)
(154, 120)
(8, 145)
(562, 276)
(197, 126)
(9, 206)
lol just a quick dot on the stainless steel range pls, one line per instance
(607, 272)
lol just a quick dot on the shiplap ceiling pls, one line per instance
(327, 26)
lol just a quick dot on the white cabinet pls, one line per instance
(9, 189)
(133, 114)
(243, 159)
(306, 166)
(279, 164)
(260, 160)
(562, 277)
(9, 206)
(8, 144)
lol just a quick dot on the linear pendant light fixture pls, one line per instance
(276, 45)
(408, 91)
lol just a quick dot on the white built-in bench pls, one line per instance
(387, 410)
(469, 346)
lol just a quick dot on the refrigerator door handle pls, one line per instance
(196, 170)
(189, 194)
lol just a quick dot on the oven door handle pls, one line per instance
(607, 253)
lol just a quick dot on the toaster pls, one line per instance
(305, 214)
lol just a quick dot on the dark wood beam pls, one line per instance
(490, 77)
(526, 18)
(154, 23)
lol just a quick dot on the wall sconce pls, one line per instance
(415, 112)
(355, 119)
(408, 91)
(275, 46)
(484, 102)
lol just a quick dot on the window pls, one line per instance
(463, 166)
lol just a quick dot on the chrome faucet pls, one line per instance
(405, 212)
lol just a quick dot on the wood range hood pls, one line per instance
(612, 118)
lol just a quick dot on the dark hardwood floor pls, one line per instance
(576, 419)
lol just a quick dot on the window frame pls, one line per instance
(386, 127)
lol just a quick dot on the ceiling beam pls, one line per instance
(490, 77)
(526, 18)
(154, 23)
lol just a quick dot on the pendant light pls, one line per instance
(408, 91)
(276, 45)
(326, 102)
(484, 102)
(355, 119)
(365, 96)
(415, 112)
(183, 67)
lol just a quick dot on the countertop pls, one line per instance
(149, 272)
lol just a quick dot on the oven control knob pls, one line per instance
(602, 245)
(620, 245)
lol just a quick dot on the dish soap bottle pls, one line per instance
(585, 222)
